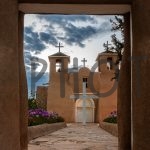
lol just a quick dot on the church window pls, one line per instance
(58, 65)
(86, 81)
(109, 63)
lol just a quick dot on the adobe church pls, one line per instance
(64, 93)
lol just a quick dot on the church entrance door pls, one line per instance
(90, 107)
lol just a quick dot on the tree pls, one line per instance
(32, 101)
(118, 45)
(118, 24)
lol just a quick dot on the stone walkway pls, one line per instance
(76, 137)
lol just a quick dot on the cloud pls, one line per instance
(63, 19)
(28, 30)
(34, 43)
(34, 63)
(63, 28)
(32, 40)
(70, 32)
(70, 29)
(30, 61)
(48, 38)
(77, 35)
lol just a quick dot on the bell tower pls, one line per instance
(58, 63)
(106, 61)
(58, 99)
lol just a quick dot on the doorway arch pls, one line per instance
(39, 6)
(90, 110)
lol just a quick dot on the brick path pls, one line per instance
(76, 137)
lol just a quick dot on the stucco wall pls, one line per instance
(41, 96)
(108, 100)
(62, 104)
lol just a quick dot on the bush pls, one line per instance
(32, 104)
(60, 119)
(112, 118)
(40, 116)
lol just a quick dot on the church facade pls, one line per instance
(80, 93)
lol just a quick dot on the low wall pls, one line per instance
(40, 130)
(109, 127)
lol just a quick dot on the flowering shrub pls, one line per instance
(40, 116)
(112, 118)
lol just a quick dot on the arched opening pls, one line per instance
(38, 11)
(109, 63)
(89, 107)
(58, 65)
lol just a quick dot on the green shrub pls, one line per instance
(32, 104)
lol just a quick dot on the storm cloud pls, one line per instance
(63, 28)
(70, 32)
(32, 40)
(35, 42)
(77, 35)
(48, 38)
(70, 29)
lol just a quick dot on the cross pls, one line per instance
(59, 47)
(106, 46)
(84, 60)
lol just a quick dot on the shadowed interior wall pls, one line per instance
(23, 99)
(124, 92)
(9, 77)
(141, 74)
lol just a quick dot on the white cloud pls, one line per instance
(82, 36)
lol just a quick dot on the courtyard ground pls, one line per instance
(76, 137)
